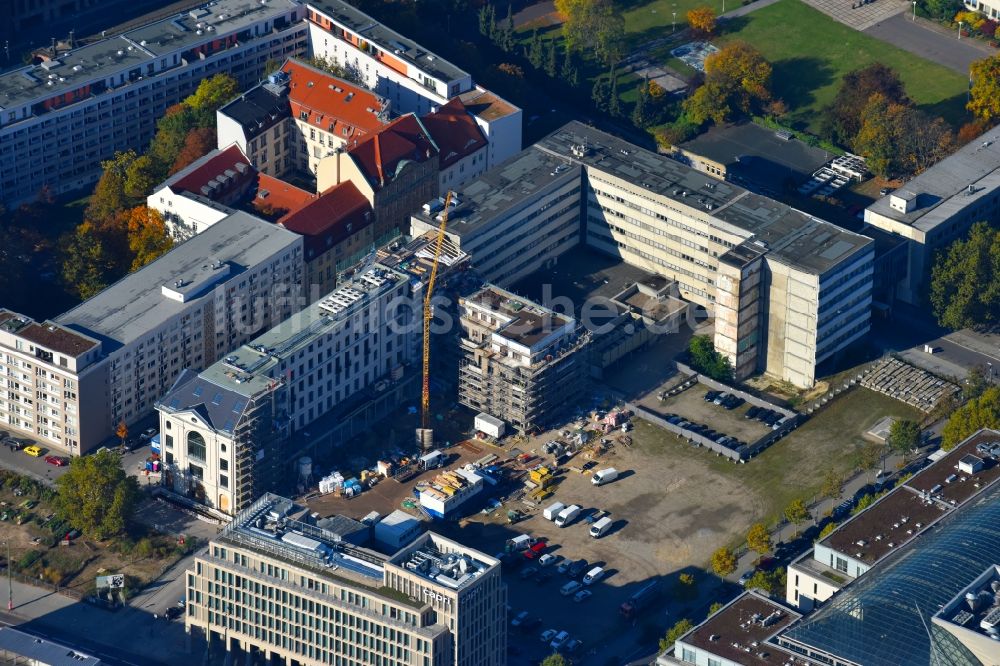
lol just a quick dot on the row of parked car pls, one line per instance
(768, 417)
(703, 430)
(727, 401)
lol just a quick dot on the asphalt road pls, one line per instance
(924, 39)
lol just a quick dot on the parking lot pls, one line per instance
(691, 405)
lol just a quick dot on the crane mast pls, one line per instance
(425, 433)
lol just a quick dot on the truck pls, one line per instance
(640, 600)
(520, 542)
(553, 510)
(604, 476)
(601, 527)
(567, 515)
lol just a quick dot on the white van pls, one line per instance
(567, 515)
(604, 476)
(553, 510)
(601, 527)
(593, 576)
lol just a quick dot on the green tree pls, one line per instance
(832, 483)
(86, 262)
(759, 539)
(864, 502)
(109, 194)
(614, 101)
(715, 607)
(723, 562)
(676, 631)
(487, 21)
(686, 588)
(769, 582)
(975, 383)
(827, 529)
(535, 54)
(551, 59)
(554, 659)
(141, 177)
(593, 26)
(704, 359)
(965, 280)
(984, 93)
(212, 93)
(868, 455)
(983, 412)
(904, 436)
(842, 118)
(599, 93)
(640, 115)
(796, 512)
(96, 495)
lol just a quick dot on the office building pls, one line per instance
(276, 585)
(738, 634)
(411, 77)
(938, 207)
(347, 349)
(788, 291)
(298, 116)
(187, 308)
(59, 118)
(523, 363)
(862, 543)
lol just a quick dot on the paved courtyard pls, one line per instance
(860, 16)
(929, 40)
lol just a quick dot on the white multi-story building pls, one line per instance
(938, 207)
(411, 77)
(317, 599)
(788, 290)
(60, 118)
(315, 364)
(189, 307)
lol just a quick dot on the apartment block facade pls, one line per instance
(523, 363)
(60, 118)
(789, 291)
(187, 308)
(49, 377)
(276, 585)
(312, 365)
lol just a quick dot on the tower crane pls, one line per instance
(425, 434)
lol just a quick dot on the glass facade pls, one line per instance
(884, 618)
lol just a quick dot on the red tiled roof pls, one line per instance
(214, 174)
(280, 198)
(330, 103)
(329, 218)
(379, 155)
(454, 131)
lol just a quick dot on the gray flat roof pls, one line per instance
(102, 59)
(504, 188)
(250, 368)
(389, 40)
(221, 17)
(135, 305)
(42, 650)
(258, 109)
(791, 236)
(757, 154)
(943, 189)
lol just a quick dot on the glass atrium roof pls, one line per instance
(884, 618)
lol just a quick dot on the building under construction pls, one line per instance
(522, 362)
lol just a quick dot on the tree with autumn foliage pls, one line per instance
(737, 83)
(899, 140)
(148, 238)
(984, 94)
(197, 143)
(702, 20)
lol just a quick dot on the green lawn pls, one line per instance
(811, 52)
(653, 20)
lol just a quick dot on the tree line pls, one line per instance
(119, 232)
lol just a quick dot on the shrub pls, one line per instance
(28, 559)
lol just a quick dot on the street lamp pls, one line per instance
(960, 23)
(990, 366)
(914, 11)
(10, 581)
(673, 24)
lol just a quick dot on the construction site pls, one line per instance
(522, 363)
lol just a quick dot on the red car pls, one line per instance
(535, 550)
(55, 460)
